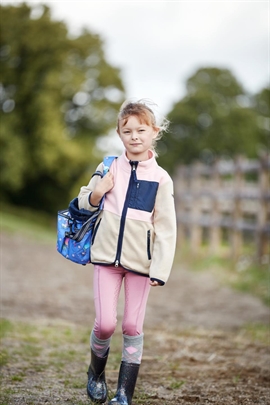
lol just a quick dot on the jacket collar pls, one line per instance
(144, 165)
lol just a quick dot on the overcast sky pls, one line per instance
(159, 44)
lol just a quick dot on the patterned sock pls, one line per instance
(132, 349)
(99, 346)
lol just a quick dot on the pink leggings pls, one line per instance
(107, 285)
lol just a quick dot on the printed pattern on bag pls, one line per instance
(70, 249)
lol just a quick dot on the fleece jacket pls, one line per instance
(137, 227)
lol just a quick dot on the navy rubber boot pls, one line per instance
(96, 386)
(126, 384)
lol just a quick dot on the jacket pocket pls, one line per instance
(143, 195)
(95, 231)
(149, 245)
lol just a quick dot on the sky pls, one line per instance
(158, 45)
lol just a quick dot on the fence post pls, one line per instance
(215, 230)
(195, 229)
(179, 192)
(236, 233)
(262, 234)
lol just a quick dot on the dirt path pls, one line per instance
(217, 363)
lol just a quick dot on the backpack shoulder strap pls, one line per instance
(107, 161)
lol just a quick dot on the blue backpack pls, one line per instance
(75, 226)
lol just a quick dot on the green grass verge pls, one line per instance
(245, 275)
(37, 225)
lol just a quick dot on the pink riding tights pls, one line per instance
(107, 285)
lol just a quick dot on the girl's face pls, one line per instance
(137, 138)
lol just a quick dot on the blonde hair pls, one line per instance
(145, 114)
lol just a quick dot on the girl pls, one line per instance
(133, 242)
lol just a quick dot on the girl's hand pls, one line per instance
(104, 185)
(154, 283)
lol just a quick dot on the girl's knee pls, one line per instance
(131, 329)
(104, 331)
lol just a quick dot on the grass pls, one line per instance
(176, 384)
(257, 333)
(29, 350)
(49, 361)
(244, 275)
(52, 357)
(36, 225)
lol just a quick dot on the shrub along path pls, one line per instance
(204, 343)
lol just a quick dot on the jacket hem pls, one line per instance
(125, 268)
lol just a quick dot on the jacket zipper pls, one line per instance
(132, 179)
(149, 244)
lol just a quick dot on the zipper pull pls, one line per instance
(133, 165)
(116, 264)
(133, 170)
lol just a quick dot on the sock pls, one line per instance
(132, 349)
(99, 346)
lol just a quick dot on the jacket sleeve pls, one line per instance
(85, 191)
(165, 233)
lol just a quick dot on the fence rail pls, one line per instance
(231, 197)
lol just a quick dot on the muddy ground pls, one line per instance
(196, 352)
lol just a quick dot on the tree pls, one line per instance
(57, 96)
(262, 107)
(215, 118)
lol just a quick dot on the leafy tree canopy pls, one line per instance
(57, 95)
(215, 118)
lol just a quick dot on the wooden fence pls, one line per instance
(229, 200)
